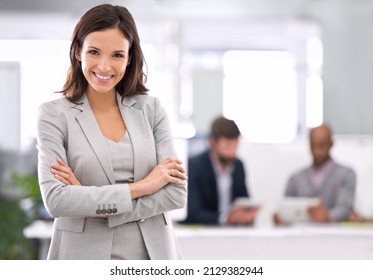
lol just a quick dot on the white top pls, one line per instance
(121, 154)
(224, 184)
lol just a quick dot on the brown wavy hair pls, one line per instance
(99, 18)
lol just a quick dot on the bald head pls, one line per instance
(321, 142)
(323, 130)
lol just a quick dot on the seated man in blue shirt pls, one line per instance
(216, 178)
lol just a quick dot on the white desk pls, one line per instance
(302, 243)
(41, 230)
(334, 242)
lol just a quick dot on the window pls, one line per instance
(43, 67)
(259, 93)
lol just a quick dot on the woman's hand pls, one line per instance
(63, 173)
(168, 171)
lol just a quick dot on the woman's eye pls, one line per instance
(118, 55)
(93, 52)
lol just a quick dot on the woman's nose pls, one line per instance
(104, 64)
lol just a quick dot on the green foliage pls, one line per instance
(13, 219)
(13, 244)
(28, 184)
(29, 187)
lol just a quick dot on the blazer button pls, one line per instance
(142, 220)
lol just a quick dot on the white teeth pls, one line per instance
(103, 77)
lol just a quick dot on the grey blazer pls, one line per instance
(70, 131)
(337, 192)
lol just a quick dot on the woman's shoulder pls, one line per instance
(55, 106)
(145, 99)
(144, 102)
(57, 102)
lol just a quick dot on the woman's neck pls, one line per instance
(102, 101)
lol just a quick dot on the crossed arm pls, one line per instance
(168, 171)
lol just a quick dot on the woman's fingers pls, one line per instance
(61, 162)
(63, 173)
(62, 166)
(177, 181)
(175, 165)
(174, 169)
(63, 180)
(177, 173)
(60, 170)
(171, 160)
(62, 176)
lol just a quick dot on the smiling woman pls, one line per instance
(108, 171)
(104, 58)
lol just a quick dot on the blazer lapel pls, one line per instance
(94, 136)
(142, 141)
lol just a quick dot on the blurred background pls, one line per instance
(276, 67)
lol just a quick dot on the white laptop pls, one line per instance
(294, 209)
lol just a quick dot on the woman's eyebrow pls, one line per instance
(117, 51)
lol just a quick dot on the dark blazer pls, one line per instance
(202, 189)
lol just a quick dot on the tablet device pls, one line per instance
(294, 209)
(245, 202)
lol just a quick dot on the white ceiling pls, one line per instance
(179, 8)
(198, 23)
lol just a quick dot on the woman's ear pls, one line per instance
(78, 54)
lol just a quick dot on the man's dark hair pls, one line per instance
(223, 127)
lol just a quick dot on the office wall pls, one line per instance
(10, 106)
(207, 98)
(346, 28)
(348, 65)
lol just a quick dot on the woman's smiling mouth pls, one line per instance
(102, 77)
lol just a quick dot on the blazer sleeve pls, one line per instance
(69, 201)
(345, 196)
(291, 186)
(199, 210)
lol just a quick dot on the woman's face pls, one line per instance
(104, 58)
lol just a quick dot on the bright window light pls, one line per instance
(22, 50)
(314, 53)
(40, 79)
(314, 101)
(260, 94)
(44, 65)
